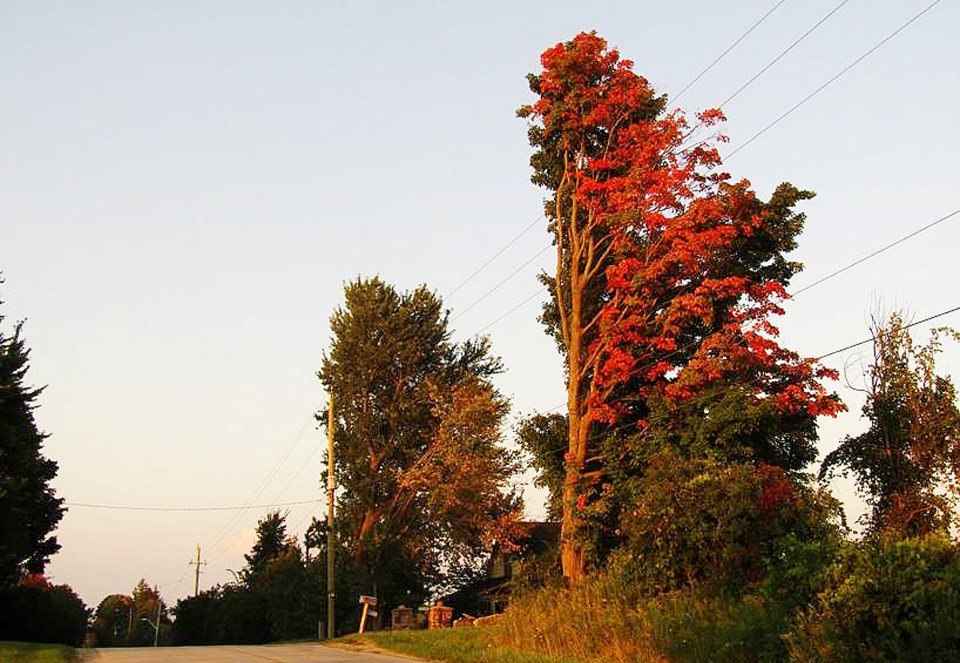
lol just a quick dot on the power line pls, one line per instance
(876, 253)
(495, 255)
(234, 520)
(176, 509)
(729, 48)
(835, 77)
(784, 52)
(500, 284)
(912, 324)
(303, 466)
(757, 135)
(512, 310)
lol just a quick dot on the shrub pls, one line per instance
(885, 600)
(36, 611)
(701, 522)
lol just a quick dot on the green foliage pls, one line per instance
(700, 521)
(29, 508)
(148, 610)
(272, 540)
(112, 620)
(907, 463)
(22, 652)
(544, 438)
(669, 275)
(278, 597)
(798, 569)
(885, 600)
(36, 611)
(417, 442)
(292, 601)
(229, 614)
(696, 627)
(130, 620)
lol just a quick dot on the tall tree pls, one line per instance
(29, 508)
(417, 440)
(667, 272)
(907, 463)
(272, 541)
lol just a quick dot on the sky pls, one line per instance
(185, 187)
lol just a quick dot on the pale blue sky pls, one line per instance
(185, 186)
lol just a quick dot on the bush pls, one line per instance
(700, 522)
(222, 615)
(36, 611)
(885, 600)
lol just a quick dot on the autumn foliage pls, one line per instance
(669, 272)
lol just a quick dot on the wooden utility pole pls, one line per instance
(331, 595)
(196, 579)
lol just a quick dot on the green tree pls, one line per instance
(113, 620)
(29, 508)
(885, 599)
(149, 610)
(292, 597)
(277, 598)
(417, 440)
(272, 541)
(544, 438)
(907, 464)
(717, 524)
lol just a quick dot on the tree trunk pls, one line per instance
(571, 547)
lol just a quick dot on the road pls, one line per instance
(299, 653)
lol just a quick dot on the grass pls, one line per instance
(456, 645)
(604, 620)
(24, 652)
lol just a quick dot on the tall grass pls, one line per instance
(597, 620)
(604, 620)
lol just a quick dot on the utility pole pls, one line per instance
(331, 595)
(196, 580)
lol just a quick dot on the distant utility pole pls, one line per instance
(196, 580)
(331, 603)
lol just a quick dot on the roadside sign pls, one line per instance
(368, 600)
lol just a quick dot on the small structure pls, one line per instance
(538, 545)
(440, 616)
(402, 618)
(465, 620)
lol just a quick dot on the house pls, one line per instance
(536, 559)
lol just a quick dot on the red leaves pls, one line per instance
(776, 490)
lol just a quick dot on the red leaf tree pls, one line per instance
(668, 273)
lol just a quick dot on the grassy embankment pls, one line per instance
(460, 645)
(24, 652)
(597, 624)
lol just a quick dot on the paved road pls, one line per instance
(301, 653)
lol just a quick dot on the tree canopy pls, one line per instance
(907, 463)
(668, 273)
(29, 508)
(424, 478)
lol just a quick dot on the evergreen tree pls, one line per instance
(272, 541)
(29, 508)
